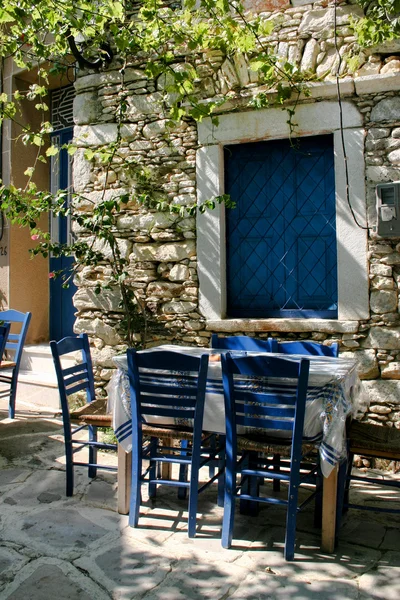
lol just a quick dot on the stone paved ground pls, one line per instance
(54, 548)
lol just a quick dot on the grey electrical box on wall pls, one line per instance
(388, 209)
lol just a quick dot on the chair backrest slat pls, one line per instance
(167, 400)
(170, 412)
(241, 342)
(76, 388)
(249, 410)
(82, 378)
(307, 348)
(79, 368)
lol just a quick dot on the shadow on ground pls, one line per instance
(53, 547)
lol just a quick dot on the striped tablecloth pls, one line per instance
(334, 393)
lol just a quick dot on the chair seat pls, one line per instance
(93, 413)
(374, 440)
(178, 433)
(269, 445)
(7, 364)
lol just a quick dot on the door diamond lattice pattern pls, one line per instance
(281, 237)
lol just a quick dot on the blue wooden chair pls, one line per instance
(168, 384)
(14, 345)
(70, 381)
(306, 348)
(241, 342)
(257, 402)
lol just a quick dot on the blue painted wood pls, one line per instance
(183, 385)
(4, 333)
(281, 238)
(64, 378)
(62, 317)
(240, 374)
(14, 345)
(305, 347)
(240, 342)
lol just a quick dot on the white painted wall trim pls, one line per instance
(312, 119)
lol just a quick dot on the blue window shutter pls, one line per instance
(281, 237)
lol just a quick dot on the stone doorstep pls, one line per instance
(37, 358)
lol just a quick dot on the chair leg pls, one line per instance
(213, 446)
(134, 506)
(250, 487)
(92, 471)
(291, 517)
(193, 491)
(229, 504)
(221, 469)
(244, 505)
(13, 395)
(153, 468)
(348, 481)
(183, 471)
(69, 469)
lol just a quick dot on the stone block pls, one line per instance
(383, 301)
(381, 270)
(383, 391)
(179, 273)
(256, 6)
(101, 135)
(86, 109)
(394, 157)
(164, 289)
(382, 283)
(367, 363)
(322, 20)
(108, 300)
(229, 73)
(170, 308)
(391, 370)
(98, 328)
(174, 252)
(97, 80)
(81, 171)
(143, 105)
(392, 259)
(384, 338)
(309, 60)
(284, 325)
(387, 109)
(382, 174)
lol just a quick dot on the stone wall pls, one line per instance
(161, 248)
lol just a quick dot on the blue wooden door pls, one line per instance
(61, 306)
(281, 237)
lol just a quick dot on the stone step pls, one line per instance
(37, 382)
(37, 358)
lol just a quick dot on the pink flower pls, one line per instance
(35, 237)
(52, 275)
